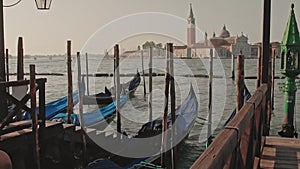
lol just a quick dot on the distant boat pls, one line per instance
(107, 97)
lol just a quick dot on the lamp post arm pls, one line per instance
(13, 4)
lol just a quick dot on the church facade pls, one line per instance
(224, 45)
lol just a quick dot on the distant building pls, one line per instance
(224, 45)
(137, 53)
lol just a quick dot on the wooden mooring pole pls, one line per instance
(273, 78)
(117, 86)
(2, 57)
(3, 100)
(210, 83)
(150, 85)
(20, 65)
(80, 104)
(7, 65)
(232, 67)
(87, 74)
(143, 70)
(259, 62)
(35, 132)
(173, 105)
(20, 73)
(164, 131)
(265, 78)
(70, 85)
(240, 85)
(7, 68)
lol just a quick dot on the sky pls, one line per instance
(121, 21)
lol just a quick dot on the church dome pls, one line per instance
(224, 33)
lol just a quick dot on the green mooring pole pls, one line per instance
(289, 99)
(290, 68)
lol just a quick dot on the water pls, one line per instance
(135, 112)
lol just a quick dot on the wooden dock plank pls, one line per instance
(280, 153)
(25, 136)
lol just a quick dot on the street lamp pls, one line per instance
(43, 4)
(290, 68)
(40, 4)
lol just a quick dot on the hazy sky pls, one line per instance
(46, 32)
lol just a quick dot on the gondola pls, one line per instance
(55, 107)
(94, 117)
(247, 96)
(186, 115)
(107, 97)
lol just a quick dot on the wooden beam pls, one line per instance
(18, 107)
(20, 82)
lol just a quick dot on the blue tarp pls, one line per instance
(94, 116)
(55, 107)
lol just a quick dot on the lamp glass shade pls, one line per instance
(43, 4)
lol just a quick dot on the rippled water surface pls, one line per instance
(135, 112)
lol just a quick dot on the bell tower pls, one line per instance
(191, 34)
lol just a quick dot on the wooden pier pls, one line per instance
(280, 152)
(241, 142)
(244, 144)
(30, 143)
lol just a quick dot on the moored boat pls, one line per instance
(107, 97)
(186, 115)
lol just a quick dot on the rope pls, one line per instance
(11, 5)
(147, 165)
